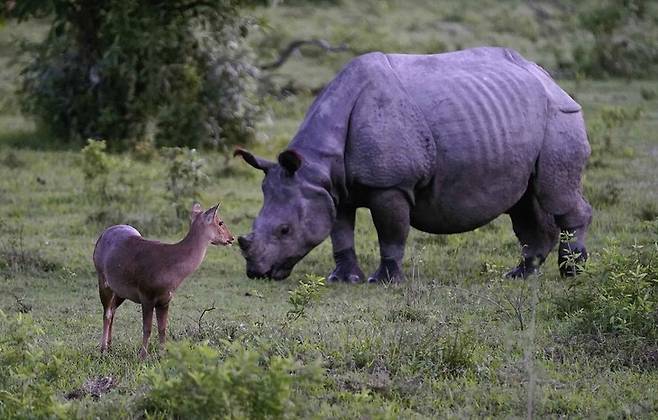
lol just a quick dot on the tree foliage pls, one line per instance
(173, 72)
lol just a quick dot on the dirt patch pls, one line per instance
(95, 387)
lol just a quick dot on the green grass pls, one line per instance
(447, 343)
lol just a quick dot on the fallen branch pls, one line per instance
(203, 313)
(296, 45)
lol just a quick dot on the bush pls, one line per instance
(618, 295)
(185, 178)
(114, 69)
(623, 41)
(194, 382)
(26, 389)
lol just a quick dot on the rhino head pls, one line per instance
(297, 215)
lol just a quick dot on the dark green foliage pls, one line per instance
(114, 69)
(623, 42)
(200, 382)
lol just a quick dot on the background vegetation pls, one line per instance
(455, 340)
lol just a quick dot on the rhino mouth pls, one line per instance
(276, 272)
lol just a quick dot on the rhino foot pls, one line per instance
(570, 259)
(388, 272)
(347, 268)
(527, 267)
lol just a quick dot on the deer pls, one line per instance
(148, 272)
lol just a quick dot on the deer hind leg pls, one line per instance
(116, 302)
(147, 318)
(162, 313)
(107, 297)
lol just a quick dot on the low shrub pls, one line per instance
(618, 294)
(185, 177)
(28, 373)
(16, 257)
(204, 382)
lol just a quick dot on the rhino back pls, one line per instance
(486, 115)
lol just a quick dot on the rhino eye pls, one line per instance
(283, 230)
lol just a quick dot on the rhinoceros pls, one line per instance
(444, 143)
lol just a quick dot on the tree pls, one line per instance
(175, 72)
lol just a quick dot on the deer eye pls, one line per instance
(220, 223)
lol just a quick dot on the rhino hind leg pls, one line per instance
(537, 234)
(558, 186)
(390, 214)
(342, 238)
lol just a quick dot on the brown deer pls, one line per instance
(148, 272)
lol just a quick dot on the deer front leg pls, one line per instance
(161, 313)
(342, 240)
(147, 318)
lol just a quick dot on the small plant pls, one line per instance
(185, 177)
(571, 260)
(200, 382)
(307, 291)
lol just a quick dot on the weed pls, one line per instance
(307, 291)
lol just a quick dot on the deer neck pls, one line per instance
(188, 254)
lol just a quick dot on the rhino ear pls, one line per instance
(290, 160)
(258, 163)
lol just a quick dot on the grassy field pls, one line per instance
(455, 340)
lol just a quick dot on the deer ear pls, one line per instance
(255, 161)
(209, 215)
(290, 160)
(196, 209)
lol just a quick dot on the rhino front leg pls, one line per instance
(342, 239)
(537, 233)
(390, 214)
